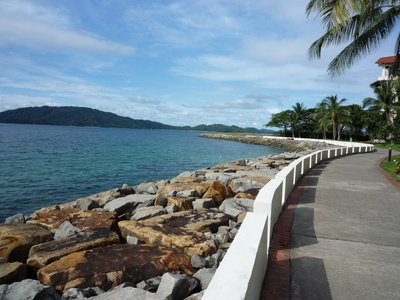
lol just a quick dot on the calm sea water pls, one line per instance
(44, 165)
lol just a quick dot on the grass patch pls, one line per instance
(395, 147)
(390, 167)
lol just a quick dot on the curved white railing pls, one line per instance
(242, 271)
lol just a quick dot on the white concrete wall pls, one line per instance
(241, 273)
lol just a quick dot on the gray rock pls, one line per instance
(125, 190)
(186, 194)
(27, 289)
(219, 256)
(18, 218)
(131, 240)
(203, 203)
(66, 229)
(67, 206)
(79, 294)
(197, 261)
(176, 286)
(235, 206)
(171, 208)
(88, 204)
(148, 212)
(149, 188)
(241, 162)
(123, 285)
(222, 237)
(144, 204)
(204, 276)
(243, 185)
(127, 293)
(232, 224)
(127, 204)
(209, 262)
(150, 284)
(225, 179)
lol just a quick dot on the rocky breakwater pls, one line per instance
(288, 144)
(157, 240)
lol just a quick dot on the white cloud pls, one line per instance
(141, 100)
(31, 25)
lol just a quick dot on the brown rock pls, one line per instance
(200, 187)
(240, 218)
(44, 254)
(247, 195)
(17, 239)
(180, 239)
(51, 219)
(182, 203)
(88, 219)
(110, 266)
(83, 219)
(12, 272)
(217, 191)
(202, 221)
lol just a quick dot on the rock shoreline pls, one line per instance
(157, 240)
(288, 144)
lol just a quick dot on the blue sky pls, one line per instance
(233, 62)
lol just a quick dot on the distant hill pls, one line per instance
(83, 116)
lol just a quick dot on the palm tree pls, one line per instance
(362, 23)
(299, 111)
(386, 101)
(331, 112)
(321, 116)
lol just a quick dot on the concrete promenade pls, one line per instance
(344, 238)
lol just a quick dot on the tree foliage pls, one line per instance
(361, 24)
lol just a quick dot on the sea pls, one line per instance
(42, 165)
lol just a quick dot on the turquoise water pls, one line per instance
(44, 165)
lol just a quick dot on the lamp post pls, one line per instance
(390, 154)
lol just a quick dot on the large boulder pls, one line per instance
(176, 286)
(195, 220)
(183, 203)
(44, 254)
(236, 206)
(217, 192)
(200, 187)
(127, 204)
(83, 219)
(11, 272)
(111, 266)
(149, 187)
(66, 229)
(148, 212)
(248, 183)
(18, 218)
(17, 239)
(104, 197)
(181, 239)
(28, 289)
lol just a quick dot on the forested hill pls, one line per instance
(83, 116)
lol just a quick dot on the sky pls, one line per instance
(180, 62)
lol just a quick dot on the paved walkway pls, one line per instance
(344, 242)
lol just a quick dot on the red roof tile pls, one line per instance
(386, 60)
